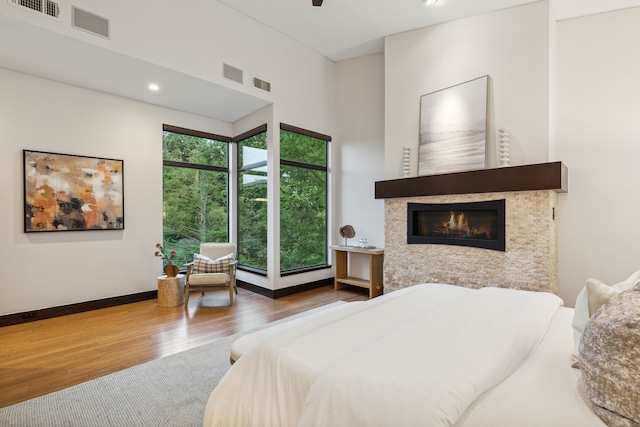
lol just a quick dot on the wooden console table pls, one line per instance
(342, 278)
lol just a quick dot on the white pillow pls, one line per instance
(594, 294)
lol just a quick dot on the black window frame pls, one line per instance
(327, 139)
(237, 139)
(200, 166)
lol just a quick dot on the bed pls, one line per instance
(426, 355)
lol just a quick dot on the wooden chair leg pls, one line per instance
(230, 294)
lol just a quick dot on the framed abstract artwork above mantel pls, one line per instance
(64, 192)
(453, 128)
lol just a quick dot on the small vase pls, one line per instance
(171, 270)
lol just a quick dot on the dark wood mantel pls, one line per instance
(542, 176)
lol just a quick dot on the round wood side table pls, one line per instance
(171, 290)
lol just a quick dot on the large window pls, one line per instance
(303, 199)
(252, 201)
(195, 186)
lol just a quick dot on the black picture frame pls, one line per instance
(66, 192)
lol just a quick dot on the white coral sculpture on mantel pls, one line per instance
(503, 147)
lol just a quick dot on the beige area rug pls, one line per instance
(171, 391)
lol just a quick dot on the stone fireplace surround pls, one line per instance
(530, 257)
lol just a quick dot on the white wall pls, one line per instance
(42, 115)
(358, 154)
(376, 102)
(197, 38)
(583, 114)
(53, 269)
(598, 140)
(511, 46)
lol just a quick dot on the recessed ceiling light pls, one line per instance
(430, 2)
(154, 87)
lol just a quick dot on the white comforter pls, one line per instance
(415, 357)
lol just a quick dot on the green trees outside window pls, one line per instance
(195, 192)
(252, 203)
(303, 202)
(196, 199)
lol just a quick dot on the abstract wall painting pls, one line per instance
(453, 126)
(63, 192)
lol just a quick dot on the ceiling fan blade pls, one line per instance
(317, 2)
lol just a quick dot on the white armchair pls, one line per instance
(214, 267)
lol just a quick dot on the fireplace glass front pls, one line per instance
(478, 224)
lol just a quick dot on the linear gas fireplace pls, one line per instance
(476, 224)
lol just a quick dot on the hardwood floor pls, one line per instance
(41, 357)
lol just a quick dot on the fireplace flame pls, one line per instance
(457, 222)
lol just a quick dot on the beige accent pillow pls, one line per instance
(598, 293)
(581, 312)
(610, 359)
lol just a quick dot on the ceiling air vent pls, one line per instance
(261, 84)
(232, 73)
(91, 23)
(46, 7)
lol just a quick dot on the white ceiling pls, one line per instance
(339, 30)
(344, 29)
(35, 51)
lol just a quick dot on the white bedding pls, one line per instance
(418, 356)
(544, 391)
